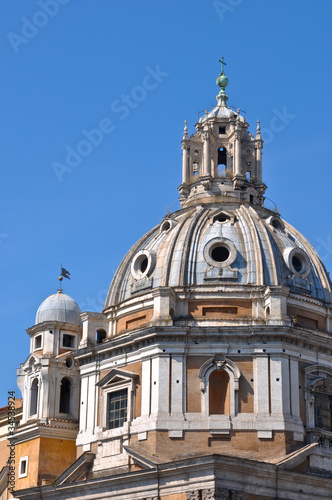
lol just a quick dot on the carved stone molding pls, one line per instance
(215, 494)
(194, 495)
(222, 494)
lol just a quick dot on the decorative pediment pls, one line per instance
(115, 377)
(32, 364)
(322, 385)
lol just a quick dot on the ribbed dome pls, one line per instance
(59, 307)
(216, 243)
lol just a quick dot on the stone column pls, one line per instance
(160, 385)
(261, 385)
(237, 155)
(207, 156)
(185, 163)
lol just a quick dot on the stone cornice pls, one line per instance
(133, 342)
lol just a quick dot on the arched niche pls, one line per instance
(228, 386)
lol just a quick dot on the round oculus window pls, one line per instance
(220, 252)
(276, 222)
(142, 264)
(298, 262)
(69, 362)
(222, 218)
(166, 225)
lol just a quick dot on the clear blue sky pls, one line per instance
(68, 66)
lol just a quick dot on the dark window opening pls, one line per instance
(297, 264)
(100, 336)
(222, 160)
(23, 467)
(143, 265)
(166, 226)
(34, 397)
(65, 396)
(69, 362)
(251, 198)
(277, 224)
(220, 254)
(38, 342)
(221, 218)
(222, 130)
(323, 411)
(68, 340)
(117, 408)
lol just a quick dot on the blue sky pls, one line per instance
(123, 77)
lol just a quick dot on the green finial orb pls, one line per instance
(222, 81)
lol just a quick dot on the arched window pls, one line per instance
(65, 396)
(222, 162)
(100, 336)
(219, 388)
(34, 397)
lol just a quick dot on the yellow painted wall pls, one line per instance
(30, 449)
(48, 458)
(55, 456)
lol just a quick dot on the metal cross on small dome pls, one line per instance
(222, 64)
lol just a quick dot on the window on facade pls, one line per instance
(323, 411)
(34, 397)
(117, 408)
(68, 341)
(65, 396)
(23, 467)
(100, 336)
(219, 393)
(222, 162)
(38, 342)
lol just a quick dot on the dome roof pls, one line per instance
(220, 112)
(217, 244)
(59, 307)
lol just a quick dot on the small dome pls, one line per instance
(59, 307)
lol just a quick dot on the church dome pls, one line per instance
(220, 244)
(59, 307)
(224, 237)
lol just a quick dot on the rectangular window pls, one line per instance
(323, 411)
(23, 468)
(117, 408)
(38, 342)
(222, 130)
(68, 341)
